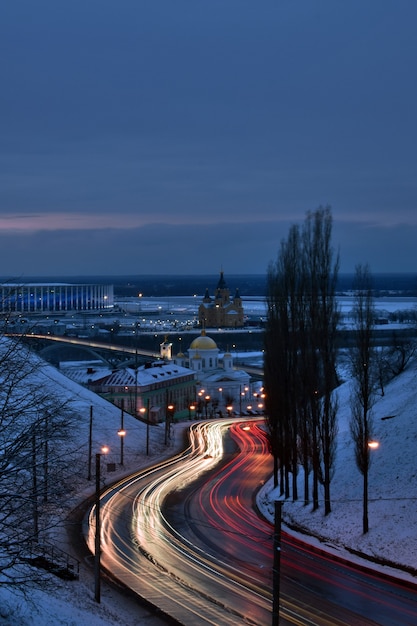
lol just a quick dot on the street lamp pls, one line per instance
(90, 442)
(200, 402)
(144, 411)
(242, 393)
(368, 445)
(276, 567)
(168, 420)
(121, 432)
(206, 402)
(97, 544)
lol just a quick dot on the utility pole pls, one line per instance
(147, 426)
(90, 443)
(97, 550)
(122, 433)
(277, 563)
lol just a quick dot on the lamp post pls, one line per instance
(191, 410)
(97, 543)
(168, 419)
(368, 445)
(145, 411)
(200, 402)
(121, 432)
(276, 563)
(90, 443)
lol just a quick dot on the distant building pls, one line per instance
(221, 311)
(154, 385)
(52, 297)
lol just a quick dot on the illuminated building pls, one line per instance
(44, 297)
(221, 311)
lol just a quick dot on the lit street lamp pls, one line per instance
(145, 411)
(169, 417)
(121, 432)
(97, 549)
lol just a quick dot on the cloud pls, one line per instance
(163, 248)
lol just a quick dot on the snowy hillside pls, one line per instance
(392, 489)
(392, 532)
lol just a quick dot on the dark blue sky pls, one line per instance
(173, 136)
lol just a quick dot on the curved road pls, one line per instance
(203, 536)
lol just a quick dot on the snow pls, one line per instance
(392, 537)
(71, 603)
(392, 534)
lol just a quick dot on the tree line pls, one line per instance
(300, 362)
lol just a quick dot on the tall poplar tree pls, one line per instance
(300, 354)
(321, 272)
(364, 374)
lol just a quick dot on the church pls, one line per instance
(221, 311)
(218, 384)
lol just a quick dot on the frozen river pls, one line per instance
(255, 307)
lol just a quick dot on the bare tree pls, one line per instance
(364, 375)
(399, 354)
(33, 426)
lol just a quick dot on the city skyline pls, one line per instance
(158, 138)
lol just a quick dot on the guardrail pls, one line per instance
(47, 556)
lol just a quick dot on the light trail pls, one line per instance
(204, 556)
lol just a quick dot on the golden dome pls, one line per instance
(203, 343)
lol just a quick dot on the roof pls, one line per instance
(222, 283)
(203, 343)
(145, 375)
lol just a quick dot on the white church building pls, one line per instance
(219, 385)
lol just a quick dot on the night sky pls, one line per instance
(174, 136)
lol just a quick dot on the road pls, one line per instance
(194, 519)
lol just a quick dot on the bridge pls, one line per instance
(87, 343)
(101, 345)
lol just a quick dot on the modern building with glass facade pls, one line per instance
(42, 297)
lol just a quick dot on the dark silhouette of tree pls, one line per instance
(321, 270)
(300, 355)
(365, 377)
(281, 357)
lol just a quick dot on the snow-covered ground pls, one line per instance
(72, 603)
(392, 534)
